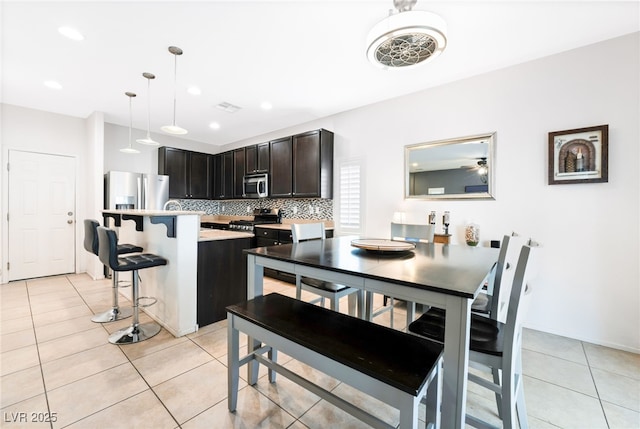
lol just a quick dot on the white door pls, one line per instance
(41, 215)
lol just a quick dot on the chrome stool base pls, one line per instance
(112, 315)
(135, 334)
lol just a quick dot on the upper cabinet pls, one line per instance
(238, 172)
(281, 177)
(189, 172)
(313, 164)
(223, 176)
(257, 158)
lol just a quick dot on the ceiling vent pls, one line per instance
(406, 37)
(228, 107)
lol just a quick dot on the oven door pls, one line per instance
(255, 186)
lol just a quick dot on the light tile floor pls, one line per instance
(56, 363)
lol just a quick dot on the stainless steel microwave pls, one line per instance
(255, 186)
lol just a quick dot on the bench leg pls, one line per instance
(273, 357)
(409, 412)
(434, 399)
(253, 366)
(233, 363)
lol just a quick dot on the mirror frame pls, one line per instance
(491, 160)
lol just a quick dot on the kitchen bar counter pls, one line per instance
(174, 235)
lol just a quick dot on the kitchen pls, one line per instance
(520, 102)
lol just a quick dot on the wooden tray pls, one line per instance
(382, 245)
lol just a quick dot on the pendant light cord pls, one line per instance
(175, 83)
(148, 108)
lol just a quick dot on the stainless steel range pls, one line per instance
(260, 217)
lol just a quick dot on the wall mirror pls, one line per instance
(460, 168)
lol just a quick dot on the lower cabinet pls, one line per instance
(222, 277)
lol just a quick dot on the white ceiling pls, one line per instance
(305, 57)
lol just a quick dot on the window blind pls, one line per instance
(350, 197)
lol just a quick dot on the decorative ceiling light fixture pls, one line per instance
(129, 149)
(148, 140)
(173, 128)
(406, 38)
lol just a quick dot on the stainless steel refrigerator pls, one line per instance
(125, 190)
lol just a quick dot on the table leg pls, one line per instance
(456, 359)
(255, 275)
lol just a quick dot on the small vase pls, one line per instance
(472, 234)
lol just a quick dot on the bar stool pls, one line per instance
(91, 245)
(108, 254)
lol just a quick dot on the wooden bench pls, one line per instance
(392, 366)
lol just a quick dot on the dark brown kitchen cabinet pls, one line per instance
(238, 172)
(257, 158)
(189, 172)
(281, 180)
(313, 164)
(223, 177)
(221, 278)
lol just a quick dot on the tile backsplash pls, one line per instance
(307, 208)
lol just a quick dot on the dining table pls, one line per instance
(439, 275)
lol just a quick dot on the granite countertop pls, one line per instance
(207, 234)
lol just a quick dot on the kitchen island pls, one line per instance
(176, 236)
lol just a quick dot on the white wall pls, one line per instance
(44, 132)
(589, 284)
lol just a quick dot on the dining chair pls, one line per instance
(412, 233)
(494, 302)
(332, 291)
(494, 345)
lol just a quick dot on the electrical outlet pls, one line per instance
(248, 209)
(295, 210)
(222, 208)
(310, 209)
(317, 210)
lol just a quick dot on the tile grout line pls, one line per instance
(595, 385)
(35, 336)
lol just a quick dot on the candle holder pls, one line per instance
(445, 222)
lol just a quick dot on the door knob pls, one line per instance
(69, 213)
(69, 221)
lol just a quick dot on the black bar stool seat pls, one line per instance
(91, 245)
(108, 254)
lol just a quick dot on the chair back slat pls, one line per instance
(520, 299)
(504, 275)
(412, 232)
(307, 231)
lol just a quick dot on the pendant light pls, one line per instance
(148, 140)
(129, 149)
(173, 128)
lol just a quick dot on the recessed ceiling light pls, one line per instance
(52, 84)
(214, 126)
(71, 33)
(194, 90)
(265, 105)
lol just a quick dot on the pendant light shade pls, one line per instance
(129, 149)
(148, 140)
(406, 38)
(173, 128)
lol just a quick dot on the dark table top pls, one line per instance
(450, 269)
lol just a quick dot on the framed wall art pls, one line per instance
(579, 156)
